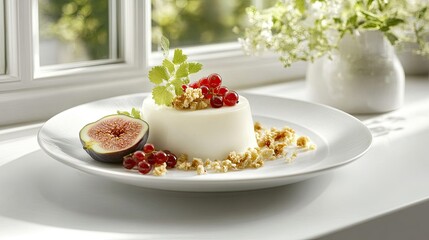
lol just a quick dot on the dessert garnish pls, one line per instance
(211, 89)
(135, 113)
(171, 75)
(148, 159)
(173, 87)
(272, 143)
(113, 136)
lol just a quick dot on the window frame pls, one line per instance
(61, 69)
(27, 94)
(2, 39)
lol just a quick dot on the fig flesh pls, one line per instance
(112, 137)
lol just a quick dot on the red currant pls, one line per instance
(216, 102)
(215, 91)
(222, 91)
(160, 157)
(148, 148)
(215, 80)
(171, 160)
(208, 96)
(230, 98)
(150, 158)
(204, 82)
(129, 162)
(205, 90)
(144, 167)
(138, 156)
(194, 85)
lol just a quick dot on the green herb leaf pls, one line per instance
(337, 20)
(162, 95)
(177, 84)
(179, 57)
(371, 16)
(158, 74)
(186, 80)
(351, 22)
(381, 5)
(391, 37)
(123, 113)
(194, 67)
(390, 22)
(169, 65)
(371, 25)
(421, 13)
(170, 77)
(300, 5)
(165, 46)
(135, 113)
(182, 71)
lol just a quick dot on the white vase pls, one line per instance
(363, 76)
(413, 64)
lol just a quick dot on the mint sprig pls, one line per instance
(171, 75)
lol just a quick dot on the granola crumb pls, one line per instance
(192, 99)
(272, 144)
(292, 157)
(257, 127)
(201, 170)
(160, 170)
(303, 142)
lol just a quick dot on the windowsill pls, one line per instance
(41, 99)
(364, 199)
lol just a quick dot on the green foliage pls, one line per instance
(171, 75)
(78, 20)
(196, 22)
(195, 67)
(165, 46)
(135, 113)
(158, 74)
(184, 22)
(304, 30)
(179, 57)
(162, 95)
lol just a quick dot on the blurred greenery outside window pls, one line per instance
(72, 31)
(2, 39)
(199, 22)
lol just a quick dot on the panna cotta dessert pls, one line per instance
(210, 133)
(201, 126)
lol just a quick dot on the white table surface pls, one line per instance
(383, 194)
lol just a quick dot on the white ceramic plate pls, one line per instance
(340, 139)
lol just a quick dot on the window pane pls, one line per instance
(75, 30)
(2, 39)
(198, 22)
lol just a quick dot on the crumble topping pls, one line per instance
(272, 144)
(160, 170)
(192, 99)
(201, 170)
(303, 142)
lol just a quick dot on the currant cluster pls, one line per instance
(145, 159)
(212, 89)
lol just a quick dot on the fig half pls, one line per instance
(112, 137)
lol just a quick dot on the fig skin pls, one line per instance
(111, 156)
